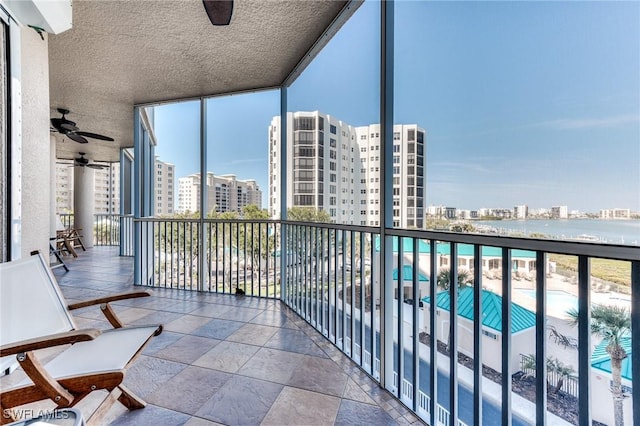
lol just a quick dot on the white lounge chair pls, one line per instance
(34, 315)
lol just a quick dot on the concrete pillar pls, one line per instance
(84, 202)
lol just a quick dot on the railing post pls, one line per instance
(635, 337)
(541, 341)
(506, 337)
(386, 191)
(584, 341)
(477, 334)
(202, 240)
(283, 194)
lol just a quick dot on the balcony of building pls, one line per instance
(221, 358)
(349, 304)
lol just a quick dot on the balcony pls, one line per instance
(378, 302)
(222, 358)
(324, 267)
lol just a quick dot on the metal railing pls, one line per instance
(330, 266)
(331, 277)
(108, 230)
(569, 384)
(238, 255)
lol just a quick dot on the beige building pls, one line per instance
(615, 214)
(336, 168)
(225, 193)
(106, 189)
(164, 187)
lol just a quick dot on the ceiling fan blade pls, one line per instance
(96, 166)
(95, 136)
(68, 126)
(218, 11)
(76, 138)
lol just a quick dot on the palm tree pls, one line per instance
(612, 323)
(465, 279)
(553, 366)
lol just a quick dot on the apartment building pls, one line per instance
(521, 211)
(615, 214)
(106, 189)
(164, 187)
(336, 168)
(225, 193)
(559, 212)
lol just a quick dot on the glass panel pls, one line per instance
(176, 182)
(333, 116)
(507, 95)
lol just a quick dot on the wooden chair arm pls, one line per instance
(111, 298)
(58, 339)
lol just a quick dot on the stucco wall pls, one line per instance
(35, 143)
(602, 400)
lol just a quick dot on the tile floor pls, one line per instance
(224, 359)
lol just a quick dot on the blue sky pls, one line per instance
(522, 102)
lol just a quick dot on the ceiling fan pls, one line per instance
(84, 162)
(69, 129)
(218, 11)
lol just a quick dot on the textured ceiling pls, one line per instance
(122, 53)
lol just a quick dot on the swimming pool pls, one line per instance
(558, 299)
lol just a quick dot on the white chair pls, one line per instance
(34, 315)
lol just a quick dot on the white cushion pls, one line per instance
(112, 350)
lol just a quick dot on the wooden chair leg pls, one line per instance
(130, 400)
(105, 406)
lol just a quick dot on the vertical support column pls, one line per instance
(506, 336)
(453, 334)
(477, 334)
(203, 262)
(283, 195)
(386, 193)
(635, 337)
(541, 339)
(84, 202)
(584, 341)
(137, 185)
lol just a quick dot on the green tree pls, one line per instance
(612, 323)
(308, 214)
(462, 227)
(259, 244)
(465, 279)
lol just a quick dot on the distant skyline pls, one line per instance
(533, 103)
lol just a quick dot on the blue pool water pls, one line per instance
(559, 299)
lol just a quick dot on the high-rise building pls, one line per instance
(520, 212)
(408, 173)
(165, 179)
(559, 212)
(615, 214)
(106, 189)
(336, 168)
(225, 193)
(325, 162)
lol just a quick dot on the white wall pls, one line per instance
(522, 342)
(36, 143)
(602, 401)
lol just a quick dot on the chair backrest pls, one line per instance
(31, 304)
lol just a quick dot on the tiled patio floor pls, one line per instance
(225, 359)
